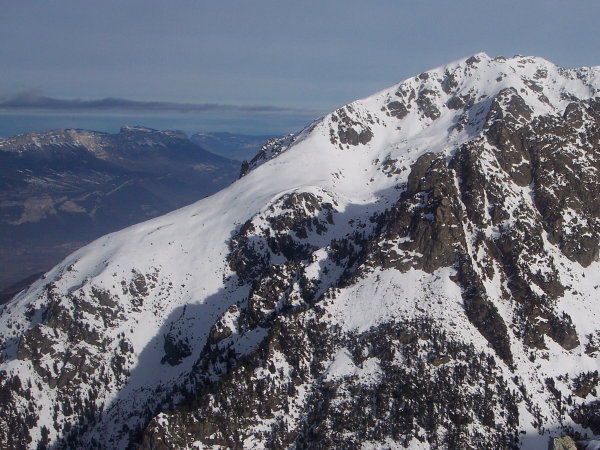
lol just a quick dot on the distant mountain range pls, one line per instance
(241, 147)
(63, 188)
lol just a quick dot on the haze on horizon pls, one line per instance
(253, 67)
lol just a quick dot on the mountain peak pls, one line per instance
(417, 268)
(450, 103)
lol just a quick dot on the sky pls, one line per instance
(260, 67)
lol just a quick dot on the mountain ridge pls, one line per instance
(417, 268)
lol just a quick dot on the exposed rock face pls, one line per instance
(562, 443)
(417, 269)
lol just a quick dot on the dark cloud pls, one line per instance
(33, 100)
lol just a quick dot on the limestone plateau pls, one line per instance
(417, 269)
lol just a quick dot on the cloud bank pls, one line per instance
(33, 100)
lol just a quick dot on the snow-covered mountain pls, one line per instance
(416, 269)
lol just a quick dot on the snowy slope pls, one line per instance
(402, 211)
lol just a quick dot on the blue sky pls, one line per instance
(263, 66)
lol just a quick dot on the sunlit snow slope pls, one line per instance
(418, 268)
